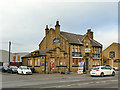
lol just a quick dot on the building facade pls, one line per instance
(111, 55)
(15, 58)
(62, 50)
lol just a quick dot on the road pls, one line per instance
(58, 81)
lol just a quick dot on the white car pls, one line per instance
(24, 70)
(102, 71)
(115, 68)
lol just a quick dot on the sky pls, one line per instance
(23, 21)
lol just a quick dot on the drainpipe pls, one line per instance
(45, 63)
(101, 58)
(69, 58)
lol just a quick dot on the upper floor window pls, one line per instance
(73, 49)
(76, 49)
(112, 54)
(98, 50)
(79, 49)
(93, 49)
(86, 46)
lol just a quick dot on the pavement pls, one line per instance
(57, 80)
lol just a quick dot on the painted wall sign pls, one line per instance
(76, 55)
(35, 53)
(18, 58)
(87, 50)
(117, 60)
(56, 40)
(42, 63)
(14, 58)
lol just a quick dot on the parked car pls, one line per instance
(102, 71)
(5, 67)
(12, 69)
(1, 68)
(24, 70)
(115, 68)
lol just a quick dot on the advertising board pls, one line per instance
(80, 68)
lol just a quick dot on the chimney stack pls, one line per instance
(90, 33)
(57, 27)
(46, 30)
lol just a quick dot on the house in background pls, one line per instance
(111, 55)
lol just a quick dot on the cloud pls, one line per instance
(107, 35)
(23, 21)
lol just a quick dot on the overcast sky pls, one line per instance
(23, 21)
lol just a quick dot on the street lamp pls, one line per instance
(9, 51)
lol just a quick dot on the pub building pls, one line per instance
(60, 50)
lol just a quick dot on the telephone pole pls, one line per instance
(9, 51)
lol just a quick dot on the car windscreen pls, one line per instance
(95, 68)
(24, 68)
(14, 67)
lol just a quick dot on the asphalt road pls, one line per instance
(58, 81)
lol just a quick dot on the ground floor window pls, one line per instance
(29, 62)
(61, 61)
(37, 62)
(95, 63)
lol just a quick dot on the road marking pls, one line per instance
(97, 82)
(60, 86)
(68, 85)
(113, 80)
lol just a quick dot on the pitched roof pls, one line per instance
(72, 38)
(95, 43)
(76, 39)
(41, 52)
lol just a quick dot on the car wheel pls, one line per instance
(11, 71)
(102, 74)
(113, 73)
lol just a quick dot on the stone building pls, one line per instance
(111, 55)
(62, 50)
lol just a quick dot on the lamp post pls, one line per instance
(9, 51)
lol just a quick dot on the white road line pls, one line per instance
(113, 80)
(97, 82)
(60, 86)
(68, 85)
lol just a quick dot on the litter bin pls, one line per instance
(67, 71)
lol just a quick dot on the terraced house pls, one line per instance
(111, 55)
(63, 50)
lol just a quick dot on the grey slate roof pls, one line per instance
(76, 39)
(95, 43)
(72, 38)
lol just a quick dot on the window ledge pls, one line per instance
(61, 66)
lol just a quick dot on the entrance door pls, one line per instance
(87, 63)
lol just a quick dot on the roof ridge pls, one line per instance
(71, 33)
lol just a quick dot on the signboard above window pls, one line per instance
(56, 40)
(35, 53)
(87, 50)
